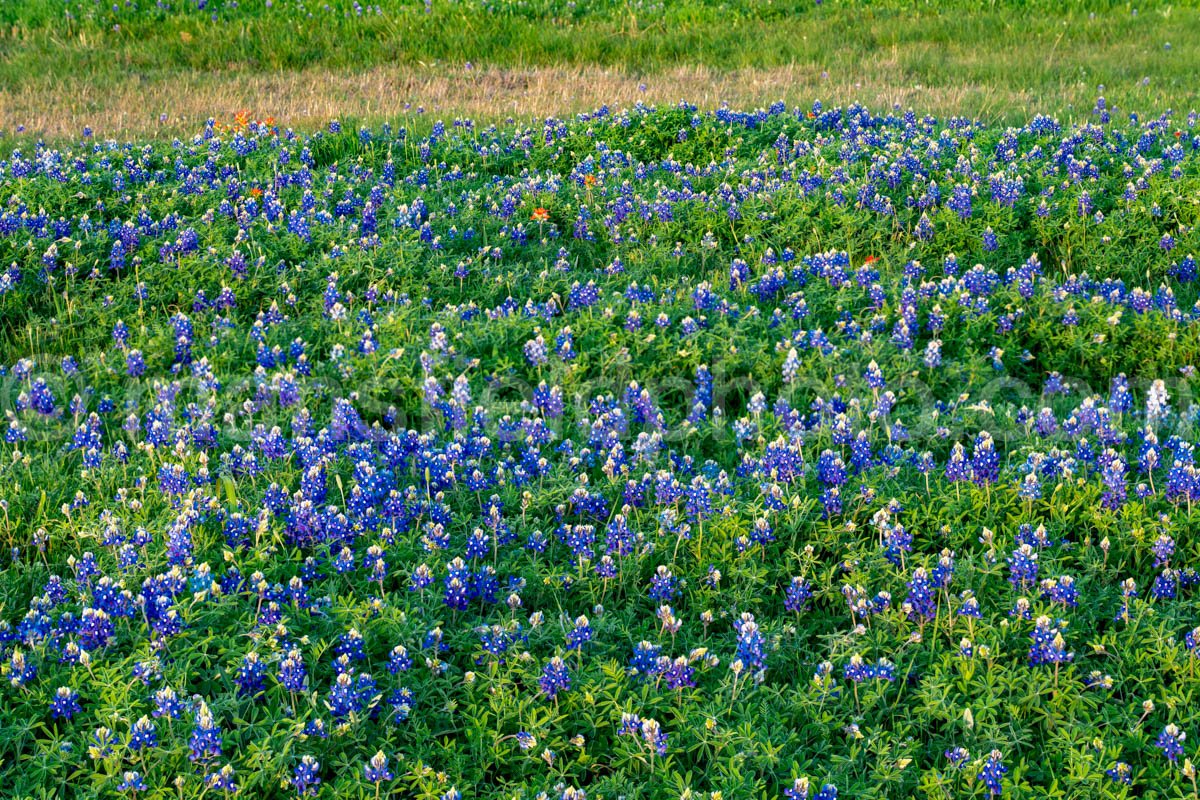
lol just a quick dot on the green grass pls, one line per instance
(995, 59)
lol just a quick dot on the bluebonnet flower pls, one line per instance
(1192, 641)
(957, 467)
(101, 745)
(1023, 566)
(205, 742)
(990, 242)
(645, 659)
(679, 674)
(402, 702)
(1163, 548)
(293, 674)
(992, 772)
(376, 770)
(985, 461)
(222, 780)
(823, 681)
(167, 704)
(874, 376)
(933, 354)
(1048, 646)
(797, 595)
(798, 790)
(305, 778)
(884, 670)
(751, 654)
(1170, 741)
(663, 585)
(856, 669)
(1061, 590)
(970, 605)
(132, 782)
(536, 351)
(791, 366)
(65, 704)
(580, 634)
(143, 735)
(921, 603)
(1166, 585)
(1120, 772)
(555, 678)
(958, 757)
(251, 675)
(352, 492)
(924, 229)
(399, 660)
(649, 730)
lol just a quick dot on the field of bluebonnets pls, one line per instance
(803, 452)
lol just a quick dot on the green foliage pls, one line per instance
(729, 735)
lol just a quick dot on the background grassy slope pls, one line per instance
(122, 66)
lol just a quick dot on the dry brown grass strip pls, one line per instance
(179, 104)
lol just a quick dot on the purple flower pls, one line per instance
(1023, 566)
(797, 595)
(856, 669)
(65, 704)
(992, 772)
(143, 735)
(580, 634)
(132, 782)
(1120, 773)
(251, 675)
(376, 770)
(205, 742)
(1170, 741)
(751, 652)
(663, 585)
(305, 779)
(555, 678)
(222, 780)
(1048, 646)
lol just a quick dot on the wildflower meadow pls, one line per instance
(796, 451)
